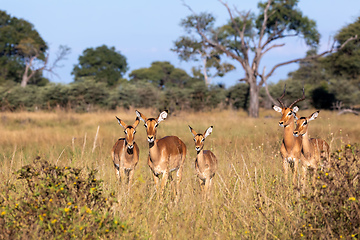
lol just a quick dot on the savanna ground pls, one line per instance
(250, 197)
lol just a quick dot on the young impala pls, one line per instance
(291, 146)
(313, 149)
(206, 162)
(125, 153)
(165, 155)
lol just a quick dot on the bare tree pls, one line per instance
(247, 39)
(36, 61)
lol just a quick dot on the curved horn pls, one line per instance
(279, 99)
(298, 100)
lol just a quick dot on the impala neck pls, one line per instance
(154, 151)
(306, 145)
(201, 158)
(289, 138)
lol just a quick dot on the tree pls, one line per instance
(246, 38)
(102, 64)
(36, 61)
(192, 48)
(15, 33)
(23, 53)
(161, 74)
(346, 62)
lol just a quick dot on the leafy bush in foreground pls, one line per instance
(57, 202)
(332, 208)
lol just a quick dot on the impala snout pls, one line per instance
(281, 123)
(130, 146)
(150, 139)
(296, 133)
(198, 149)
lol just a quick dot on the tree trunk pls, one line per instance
(25, 78)
(254, 100)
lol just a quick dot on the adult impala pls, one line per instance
(205, 162)
(291, 146)
(313, 149)
(165, 155)
(125, 153)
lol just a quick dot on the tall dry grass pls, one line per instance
(249, 199)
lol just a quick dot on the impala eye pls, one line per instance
(125, 132)
(194, 140)
(202, 140)
(156, 125)
(304, 123)
(134, 131)
(289, 113)
(145, 125)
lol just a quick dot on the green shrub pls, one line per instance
(57, 202)
(332, 208)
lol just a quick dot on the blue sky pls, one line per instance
(144, 31)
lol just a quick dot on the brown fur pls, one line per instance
(291, 146)
(313, 149)
(205, 162)
(125, 154)
(165, 155)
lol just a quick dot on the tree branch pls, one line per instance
(311, 57)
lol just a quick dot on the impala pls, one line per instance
(125, 153)
(291, 146)
(165, 155)
(313, 149)
(205, 162)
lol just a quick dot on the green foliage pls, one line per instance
(57, 201)
(238, 96)
(331, 209)
(161, 75)
(102, 64)
(346, 61)
(19, 40)
(286, 19)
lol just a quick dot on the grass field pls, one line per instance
(249, 199)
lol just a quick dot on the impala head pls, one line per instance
(302, 124)
(287, 112)
(129, 132)
(199, 138)
(151, 124)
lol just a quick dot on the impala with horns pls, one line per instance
(205, 162)
(313, 149)
(125, 153)
(165, 155)
(291, 146)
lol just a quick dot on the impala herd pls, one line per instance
(167, 155)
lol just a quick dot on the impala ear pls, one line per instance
(208, 132)
(295, 109)
(136, 123)
(192, 131)
(140, 115)
(162, 116)
(277, 109)
(121, 122)
(314, 116)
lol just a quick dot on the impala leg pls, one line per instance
(178, 180)
(303, 180)
(131, 176)
(206, 188)
(164, 179)
(286, 168)
(156, 180)
(295, 176)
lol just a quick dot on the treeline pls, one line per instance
(89, 95)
